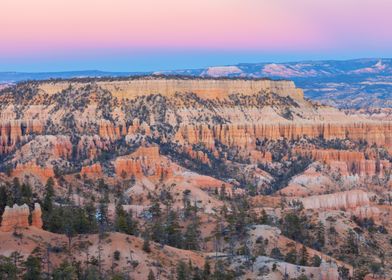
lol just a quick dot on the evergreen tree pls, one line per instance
(124, 221)
(304, 256)
(3, 199)
(292, 226)
(264, 219)
(351, 246)
(320, 236)
(192, 235)
(146, 245)
(276, 254)
(173, 235)
(33, 268)
(27, 194)
(182, 271)
(47, 205)
(16, 192)
(8, 270)
(151, 275)
(316, 261)
(102, 218)
(291, 257)
(65, 271)
(206, 270)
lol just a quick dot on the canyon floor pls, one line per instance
(157, 177)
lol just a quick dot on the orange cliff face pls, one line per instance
(43, 173)
(16, 131)
(145, 161)
(244, 135)
(17, 217)
(36, 216)
(348, 162)
(92, 171)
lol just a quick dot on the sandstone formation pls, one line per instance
(92, 171)
(15, 131)
(42, 173)
(17, 217)
(340, 200)
(206, 88)
(145, 161)
(36, 220)
(349, 162)
(245, 135)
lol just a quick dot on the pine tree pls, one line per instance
(192, 235)
(351, 246)
(291, 257)
(182, 271)
(102, 218)
(33, 268)
(16, 191)
(124, 221)
(320, 236)
(7, 269)
(304, 256)
(151, 275)
(173, 235)
(206, 270)
(264, 218)
(146, 245)
(27, 194)
(47, 205)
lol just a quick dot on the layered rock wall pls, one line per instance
(244, 135)
(146, 161)
(341, 200)
(205, 88)
(348, 162)
(15, 131)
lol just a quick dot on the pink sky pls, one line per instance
(34, 27)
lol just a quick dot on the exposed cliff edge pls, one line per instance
(72, 123)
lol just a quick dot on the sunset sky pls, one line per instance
(129, 35)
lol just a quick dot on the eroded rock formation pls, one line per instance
(245, 135)
(91, 171)
(36, 219)
(145, 161)
(17, 217)
(349, 162)
(340, 200)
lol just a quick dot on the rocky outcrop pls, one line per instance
(41, 172)
(91, 147)
(36, 216)
(92, 171)
(145, 161)
(348, 162)
(17, 217)
(368, 212)
(205, 88)
(15, 131)
(340, 200)
(245, 135)
(108, 130)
